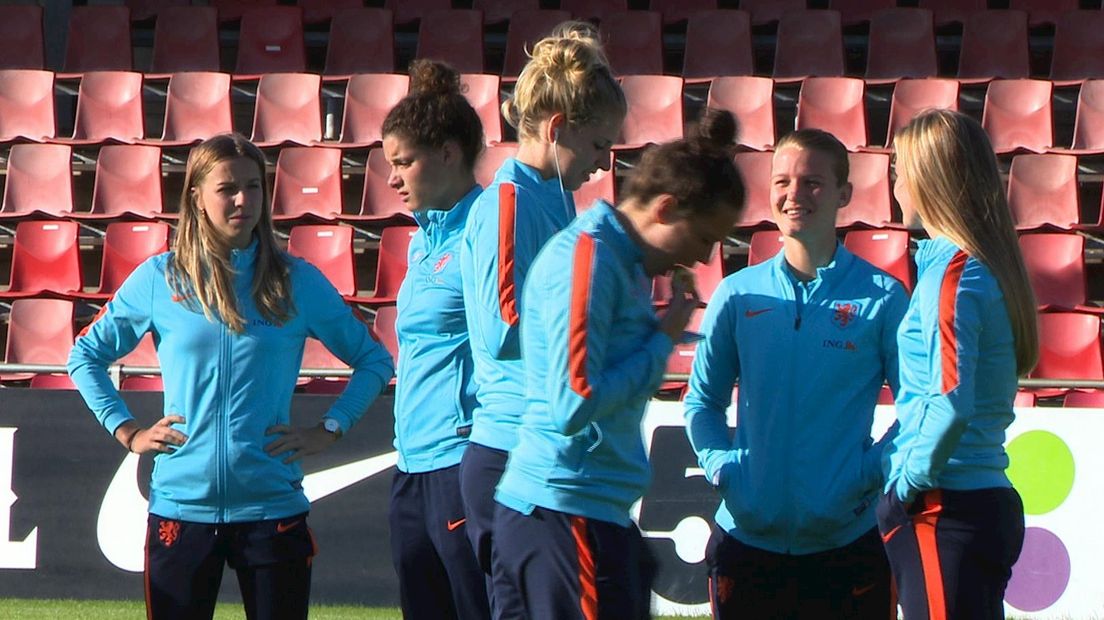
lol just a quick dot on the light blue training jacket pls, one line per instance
(434, 394)
(802, 473)
(228, 387)
(594, 356)
(509, 223)
(958, 378)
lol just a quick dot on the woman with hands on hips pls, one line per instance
(229, 313)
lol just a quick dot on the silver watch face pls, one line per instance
(331, 425)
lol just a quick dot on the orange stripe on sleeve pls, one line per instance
(588, 574)
(577, 321)
(507, 290)
(948, 339)
(924, 524)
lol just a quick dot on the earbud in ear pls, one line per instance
(555, 135)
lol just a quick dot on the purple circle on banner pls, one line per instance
(1042, 573)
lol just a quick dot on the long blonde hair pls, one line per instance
(951, 174)
(567, 73)
(200, 273)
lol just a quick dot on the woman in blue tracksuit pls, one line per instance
(229, 313)
(595, 352)
(432, 139)
(952, 524)
(567, 108)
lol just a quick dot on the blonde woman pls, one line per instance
(951, 522)
(229, 313)
(568, 109)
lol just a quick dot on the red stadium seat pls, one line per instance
(45, 260)
(39, 181)
(324, 11)
(870, 197)
(330, 249)
(491, 160)
(391, 265)
(481, 92)
(455, 36)
(26, 105)
(602, 185)
(859, 11)
(380, 203)
(1025, 399)
(675, 11)
(99, 40)
(21, 37)
(499, 11)
(368, 99)
(765, 244)
(526, 28)
(809, 43)
(316, 355)
(128, 183)
(308, 184)
(949, 11)
(185, 38)
(836, 106)
(126, 245)
(1056, 267)
(1017, 115)
(707, 277)
(288, 109)
(362, 40)
(1042, 191)
(767, 11)
(886, 249)
(271, 41)
(633, 41)
(1069, 347)
(751, 100)
(901, 45)
(681, 360)
(109, 108)
(410, 11)
(655, 110)
(143, 355)
(1043, 12)
(40, 331)
(234, 10)
(1078, 52)
(994, 45)
(52, 382)
(593, 9)
(755, 169)
(910, 97)
(718, 43)
(197, 107)
(383, 328)
(142, 383)
(1088, 127)
(1089, 399)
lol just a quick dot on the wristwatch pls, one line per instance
(331, 425)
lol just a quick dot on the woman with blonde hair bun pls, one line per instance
(952, 524)
(568, 109)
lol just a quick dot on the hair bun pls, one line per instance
(433, 77)
(716, 128)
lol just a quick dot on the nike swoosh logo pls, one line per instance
(751, 313)
(283, 527)
(452, 525)
(889, 534)
(857, 591)
(121, 525)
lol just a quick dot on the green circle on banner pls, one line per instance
(1041, 468)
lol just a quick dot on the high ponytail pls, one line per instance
(435, 111)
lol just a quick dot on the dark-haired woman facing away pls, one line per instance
(432, 139)
(595, 352)
(952, 524)
(229, 313)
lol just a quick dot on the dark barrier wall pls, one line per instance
(62, 464)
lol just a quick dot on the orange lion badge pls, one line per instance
(168, 532)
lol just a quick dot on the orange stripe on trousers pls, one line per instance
(588, 574)
(577, 321)
(925, 524)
